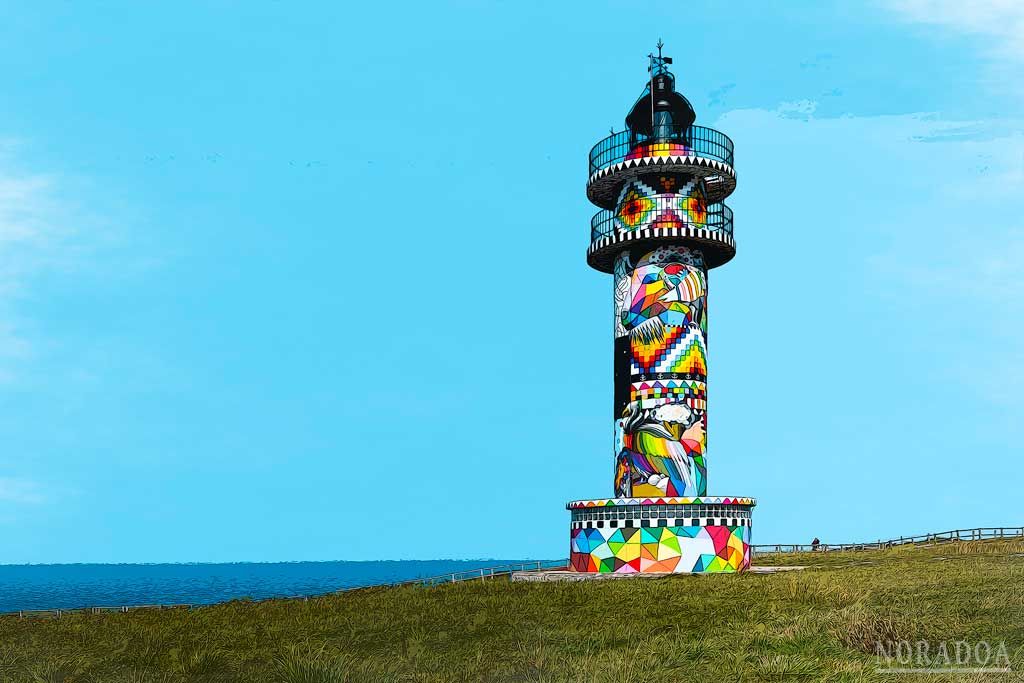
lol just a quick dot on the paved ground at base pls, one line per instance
(569, 575)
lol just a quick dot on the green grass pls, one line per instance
(818, 624)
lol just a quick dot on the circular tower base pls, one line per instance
(679, 535)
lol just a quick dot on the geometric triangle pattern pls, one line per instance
(606, 167)
(702, 500)
(676, 549)
(653, 393)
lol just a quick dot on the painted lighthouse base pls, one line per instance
(679, 535)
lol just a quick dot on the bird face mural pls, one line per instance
(661, 431)
(664, 295)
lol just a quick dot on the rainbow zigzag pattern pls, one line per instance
(661, 549)
(659, 149)
(681, 350)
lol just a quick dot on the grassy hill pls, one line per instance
(818, 624)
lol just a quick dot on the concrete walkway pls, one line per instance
(547, 575)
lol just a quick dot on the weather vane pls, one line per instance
(659, 60)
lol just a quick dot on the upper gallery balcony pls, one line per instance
(693, 150)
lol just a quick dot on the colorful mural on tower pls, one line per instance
(708, 548)
(661, 373)
(658, 234)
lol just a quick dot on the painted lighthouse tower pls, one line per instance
(662, 227)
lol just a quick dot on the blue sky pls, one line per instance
(283, 283)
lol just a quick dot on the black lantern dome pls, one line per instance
(665, 110)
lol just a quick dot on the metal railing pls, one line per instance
(98, 610)
(675, 140)
(976, 534)
(718, 217)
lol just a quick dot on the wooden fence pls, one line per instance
(979, 534)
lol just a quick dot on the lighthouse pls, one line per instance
(660, 230)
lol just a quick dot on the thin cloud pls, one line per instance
(938, 209)
(27, 219)
(22, 491)
(1000, 20)
(34, 235)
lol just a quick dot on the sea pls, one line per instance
(71, 586)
